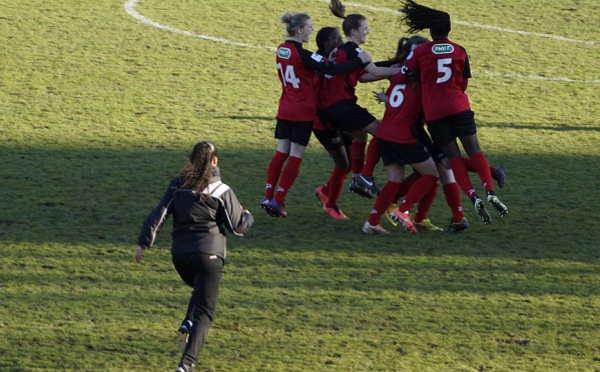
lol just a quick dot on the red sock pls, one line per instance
(418, 190)
(325, 188)
(357, 156)
(288, 176)
(452, 194)
(372, 158)
(273, 173)
(462, 176)
(383, 202)
(470, 166)
(483, 170)
(425, 203)
(406, 185)
(336, 183)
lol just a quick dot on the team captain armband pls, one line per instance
(407, 72)
(317, 57)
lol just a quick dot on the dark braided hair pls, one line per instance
(418, 17)
(195, 174)
(351, 21)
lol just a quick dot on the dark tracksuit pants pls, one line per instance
(203, 273)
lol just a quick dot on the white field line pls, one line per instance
(478, 25)
(130, 9)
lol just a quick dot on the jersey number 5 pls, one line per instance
(396, 95)
(444, 69)
(288, 76)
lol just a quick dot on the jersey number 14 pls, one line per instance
(289, 76)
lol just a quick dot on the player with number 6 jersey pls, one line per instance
(297, 69)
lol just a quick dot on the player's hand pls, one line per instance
(139, 251)
(364, 57)
(380, 96)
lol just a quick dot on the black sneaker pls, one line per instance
(360, 190)
(481, 211)
(496, 203)
(499, 175)
(368, 183)
(456, 227)
(184, 368)
(186, 327)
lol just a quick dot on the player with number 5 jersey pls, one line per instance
(443, 69)
(297, 69)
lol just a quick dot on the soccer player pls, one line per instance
(337, 99)
(336, 143)
(297, 106)
(443, 69)
(203, 207)
(399, 145)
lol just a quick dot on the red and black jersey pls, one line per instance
(297, 72)
(402, 111)
(443, 69)
(341, 87)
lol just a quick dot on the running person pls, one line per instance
(337, 100)
(203, 207)
(297, 107)
(336, 143)
(399, 145)
(443, 68)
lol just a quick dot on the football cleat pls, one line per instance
(456, 227)
(275, 209)
(499, 175)
(481, 211)
(264, 202)
(405, 220)
(368, 183)
(391, 217)
(357, 189)
(377, 229)
(426, 225)
(496, 203)
(321, 196)
(336, 213)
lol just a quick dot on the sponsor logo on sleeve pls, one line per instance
(284, 53)
(317, 57)
(358, 50)
(410, 55)
(442, 49)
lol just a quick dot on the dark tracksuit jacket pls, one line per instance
(198, 225)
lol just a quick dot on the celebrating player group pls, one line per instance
(426, 111)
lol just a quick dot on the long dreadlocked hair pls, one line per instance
(195, 174)
(351, 21)
(418, 17)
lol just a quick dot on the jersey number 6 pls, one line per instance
(396, 95)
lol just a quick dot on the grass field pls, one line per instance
(99, 108)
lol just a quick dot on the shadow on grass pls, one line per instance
(101, 197)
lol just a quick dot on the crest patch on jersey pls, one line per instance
(442, 49)
(284, 53)
(317, 57)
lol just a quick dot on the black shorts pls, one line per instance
(446, 129)
(332, 140)
(436, 151)
(347, 116)
(402, 153)
(295, 131)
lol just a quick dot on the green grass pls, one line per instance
(98, 110)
